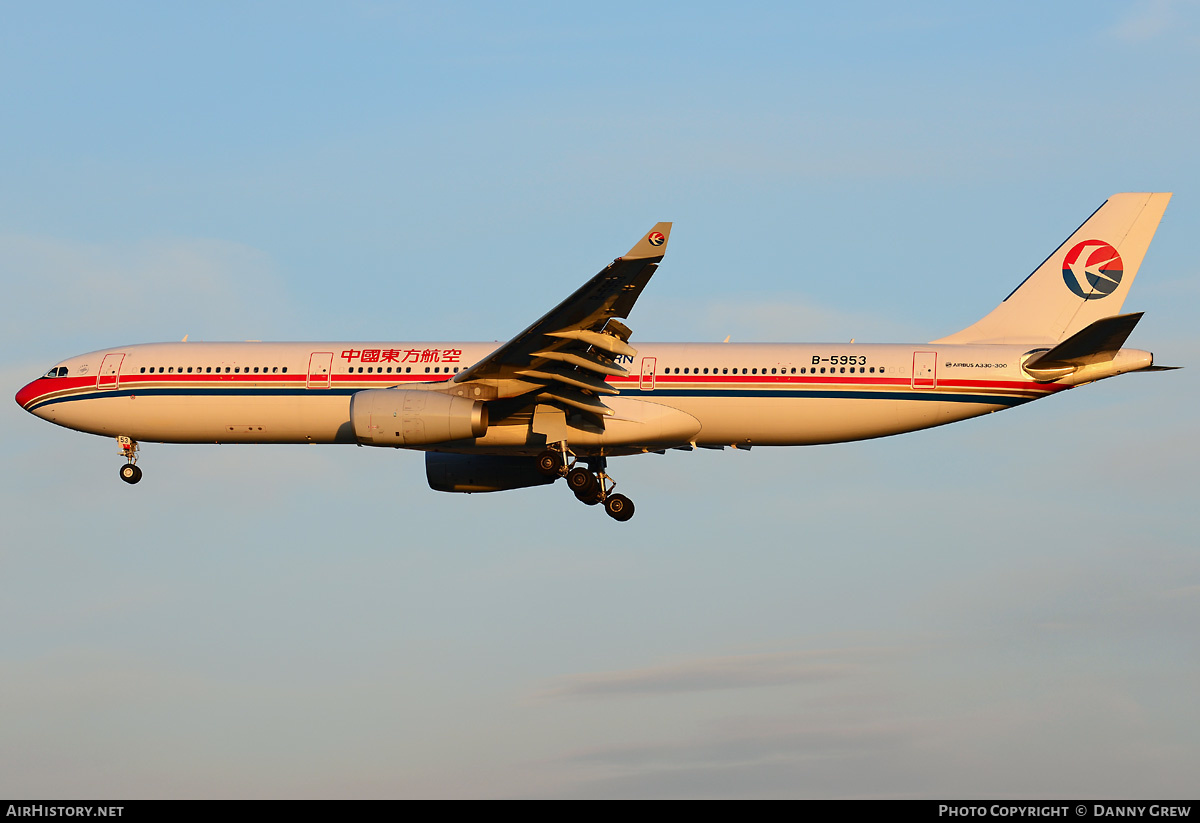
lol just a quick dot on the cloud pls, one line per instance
(708, 674)
(64, 289)
(1147, 21)
(991, 735)
(814, 754)
(755, 742)
(776, 318)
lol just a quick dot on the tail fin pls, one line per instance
(1085, 280)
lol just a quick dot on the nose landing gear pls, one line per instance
(130, 472)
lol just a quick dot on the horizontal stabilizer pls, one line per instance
(1094, 344)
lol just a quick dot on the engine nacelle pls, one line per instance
(481, 472)
(406, 417)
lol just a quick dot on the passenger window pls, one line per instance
(285, 369)
(143, 370)
(754, 371)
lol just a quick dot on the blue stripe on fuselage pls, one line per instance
(844, 394)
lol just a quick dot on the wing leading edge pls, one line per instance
(564, 357)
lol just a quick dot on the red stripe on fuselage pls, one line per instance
(44, 386)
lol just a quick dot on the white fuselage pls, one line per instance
(740, 394)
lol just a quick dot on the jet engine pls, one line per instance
(481, 472)
(400, 417)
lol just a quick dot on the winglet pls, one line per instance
(654, 244)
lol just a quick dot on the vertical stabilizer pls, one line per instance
(1084, 280)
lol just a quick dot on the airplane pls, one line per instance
(570, 391)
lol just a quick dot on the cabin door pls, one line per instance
(648, 366)
(924, 374)
(109, 376)
(320, 364)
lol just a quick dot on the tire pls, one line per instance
(581, 481)
(131, 473)
(619, 507)
(550, 463)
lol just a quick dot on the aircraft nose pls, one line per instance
(28, 393)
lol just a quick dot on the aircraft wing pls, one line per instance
(565, 356)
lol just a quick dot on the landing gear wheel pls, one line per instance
(619, 507)
(131, 473)
(582, 482)
(550, 463)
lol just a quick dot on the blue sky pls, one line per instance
(1005, 607)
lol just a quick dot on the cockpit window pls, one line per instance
(57, 371)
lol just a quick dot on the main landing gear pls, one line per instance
(130, 472)
(590, 485)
